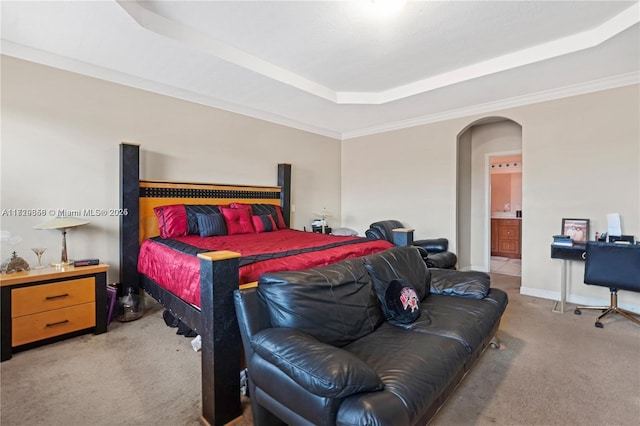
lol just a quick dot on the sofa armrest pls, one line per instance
(320, 368)
(472, 284)
(433, 245)
(373, 234)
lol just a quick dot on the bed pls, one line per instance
(193, 269)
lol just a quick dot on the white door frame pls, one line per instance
(487, 200)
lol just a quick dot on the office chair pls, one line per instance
(616, 266)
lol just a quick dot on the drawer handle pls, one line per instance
(57, 296)
(52, 324)
(584, 255)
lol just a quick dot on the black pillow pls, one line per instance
(192, 218)
(211, 225)
(401, 303)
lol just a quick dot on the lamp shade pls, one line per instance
(62, 222)
(324, 213)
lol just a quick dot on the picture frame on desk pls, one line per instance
(576, 229)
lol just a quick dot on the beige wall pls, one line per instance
(506, 189)
(60, 138)
(500, 192)
(581, 158)
(61, 131)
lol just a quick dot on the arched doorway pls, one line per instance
(477, 143)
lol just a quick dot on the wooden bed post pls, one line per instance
(284, 182)
(129, 223)
(221, 345)
(216, 321)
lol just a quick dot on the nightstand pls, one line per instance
(318, 229)
(41, 306)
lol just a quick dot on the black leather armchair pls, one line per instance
(616, 266)
(435, 250)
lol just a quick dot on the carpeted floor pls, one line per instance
(551, 369)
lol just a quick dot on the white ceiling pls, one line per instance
(337, 68)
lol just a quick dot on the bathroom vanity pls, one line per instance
(506, 237)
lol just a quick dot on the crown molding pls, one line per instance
(26, 53)
(45, 58)
(489, 107)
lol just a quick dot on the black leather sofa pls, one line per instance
(322, 348)
(436, 250)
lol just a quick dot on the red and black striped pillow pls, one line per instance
(264, 223)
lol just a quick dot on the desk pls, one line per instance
(576, 252)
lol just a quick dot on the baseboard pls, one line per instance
(476, 268)
(574, 299)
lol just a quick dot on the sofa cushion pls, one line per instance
(342, 292)
(473, 284)
(401, 303)
(414, 367)
(398, 263)
(467, 320)
(320, 368)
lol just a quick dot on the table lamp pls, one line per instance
(324, 214)
(62, 223)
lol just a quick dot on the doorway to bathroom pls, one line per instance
(505, 201)
(478, 142)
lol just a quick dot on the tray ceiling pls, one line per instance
(337, 68)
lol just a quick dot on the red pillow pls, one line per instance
(280, 219)
(240, 206)
(238, 221)
(274, 209)
(172, 220)
(264, 223)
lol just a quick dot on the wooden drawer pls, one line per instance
(508, 233)
(43, 325)
(510, 246)
(510, 222)
(42, 305)
(45, 297)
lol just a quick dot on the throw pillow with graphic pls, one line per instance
(401, 303)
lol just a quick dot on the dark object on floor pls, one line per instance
(130, 307)
(319, 349)
(616, 266)
(174, 322)
(436, 254)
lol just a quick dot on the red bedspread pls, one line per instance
(173, 262)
